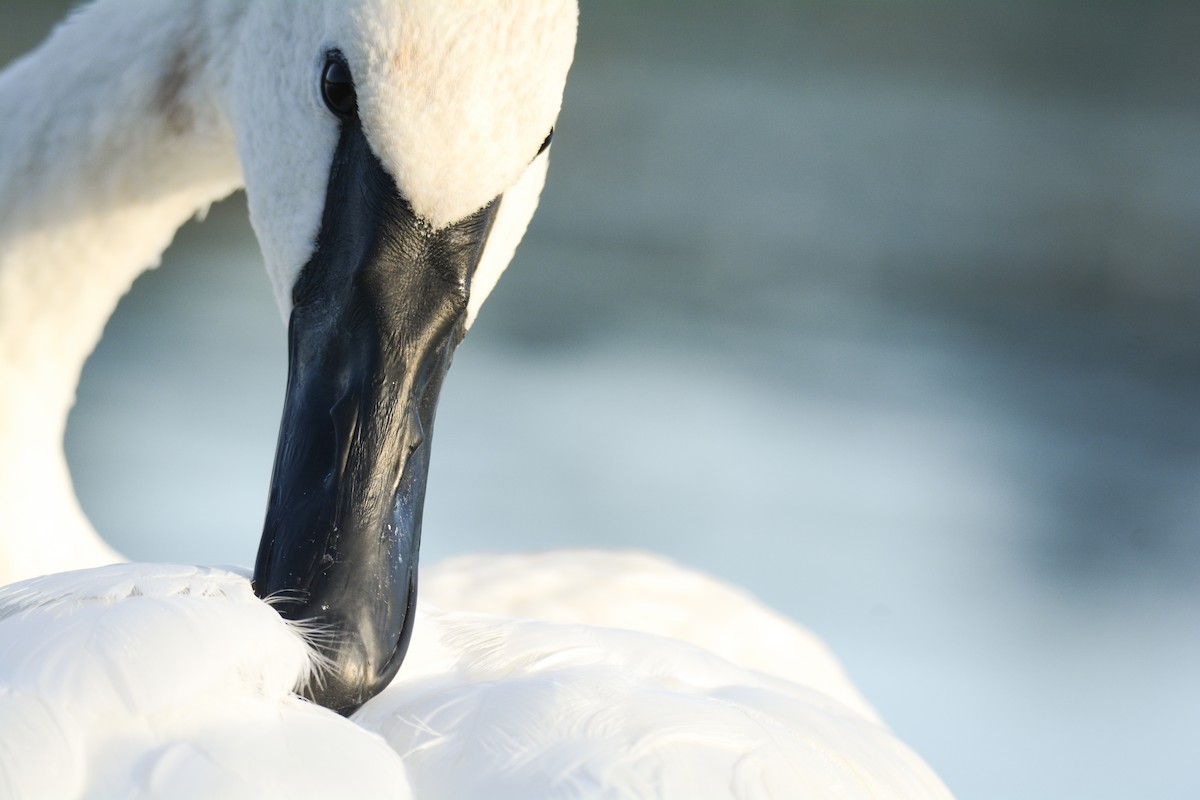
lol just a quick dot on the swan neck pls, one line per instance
(122, 136)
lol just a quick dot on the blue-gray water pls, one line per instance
(886, 311)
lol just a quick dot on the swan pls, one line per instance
(392, 153)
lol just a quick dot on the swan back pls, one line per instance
(159, 681)
(641, 592)
(540, 709)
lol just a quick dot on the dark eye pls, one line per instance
(546, 143)
(337, 87)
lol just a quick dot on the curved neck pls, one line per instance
(118, 137)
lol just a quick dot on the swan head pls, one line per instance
(454, 97)
(393, 153)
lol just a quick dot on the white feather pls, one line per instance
(622, 674)
(642, 592)
(158, 681)
(175, 682)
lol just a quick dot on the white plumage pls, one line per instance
(555, 675)
(139, 680)
(160, 681)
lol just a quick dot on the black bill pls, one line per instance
(377, 314)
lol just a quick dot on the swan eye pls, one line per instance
(337, 87)
(546, 143)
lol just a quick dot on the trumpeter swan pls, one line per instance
(392, 153)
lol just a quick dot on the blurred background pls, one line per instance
(887, 311)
